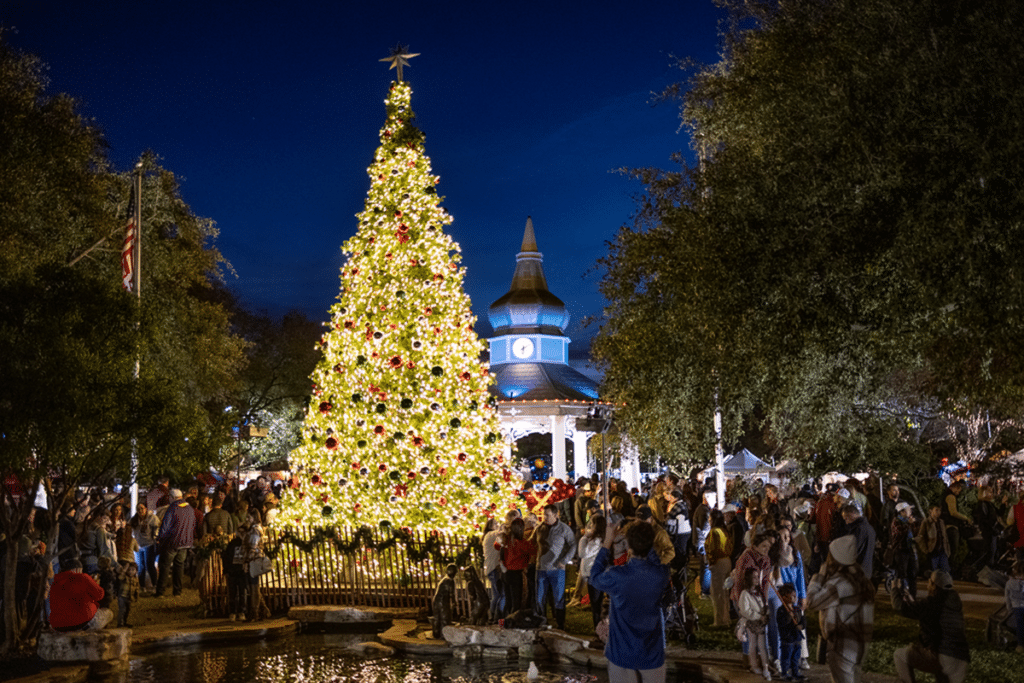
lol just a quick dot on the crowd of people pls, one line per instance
(764, 560)
(105, 559)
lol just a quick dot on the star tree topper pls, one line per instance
(400, 57)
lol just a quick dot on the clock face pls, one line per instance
(522, 347)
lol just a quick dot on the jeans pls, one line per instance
(789, 662)
(145, 558)
(171, 562)
(497, 592)
(1018, 624)
(940, 560)
(555, 580)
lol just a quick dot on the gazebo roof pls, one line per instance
(542, 381)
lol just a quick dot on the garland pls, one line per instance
(362, 540)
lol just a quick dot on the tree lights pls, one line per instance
(401, 430)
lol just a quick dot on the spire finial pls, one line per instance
(529, 240)
(399, 57)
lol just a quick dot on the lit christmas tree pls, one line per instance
(401, 430)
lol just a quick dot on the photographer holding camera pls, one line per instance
(942, 649)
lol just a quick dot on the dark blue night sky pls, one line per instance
(269, 112)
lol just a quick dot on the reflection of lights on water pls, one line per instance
(324, 659)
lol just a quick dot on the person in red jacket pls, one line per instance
(74, 601)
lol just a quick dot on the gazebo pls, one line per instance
(537, 390)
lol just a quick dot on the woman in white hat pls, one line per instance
(845, 600)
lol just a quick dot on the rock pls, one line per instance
(533, 651)
(588, 657)
(501, 653)
(330, 614)
(84, 646)
(490, 636)
(466, 652)
(461, 635)
(562, 643)
(370, 650)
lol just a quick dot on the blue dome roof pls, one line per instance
(528, 306)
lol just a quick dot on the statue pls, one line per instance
(479, 601)
(444, 601)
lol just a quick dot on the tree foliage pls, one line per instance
(71, 408)
(846, 242)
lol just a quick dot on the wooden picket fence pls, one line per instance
(326, 576)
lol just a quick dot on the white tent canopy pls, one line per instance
(746, 464)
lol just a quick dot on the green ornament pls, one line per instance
(327, 511)
(356, 398)
(455, 423)
(395, 475)
(428, 505)
(361, 443)
(477, 481)
(437, 371)
(495, 488)
(491, 437)
(406, 403)
(399, 436)
(360, 360)
(400, 294)
(385, 524)
(381, 408)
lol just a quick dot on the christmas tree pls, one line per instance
(401, 430)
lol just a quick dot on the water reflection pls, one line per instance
(319, 659)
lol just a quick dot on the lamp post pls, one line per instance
(598, 421)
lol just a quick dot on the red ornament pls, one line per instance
(403, 228)
(465, 376)
(442, 471)
(395, 362)
(379, 429)
(398, 214)
(294, 564)
(325, 497)
(357, 507)
(314, 480)
(428, 311)
(401, 490)
(349, 324)
(331, 443)
(507, 476)
(410, 365)
(356, 465)
(411, 475)
(325, 407)
(443, 501)
(438, 277)
(462, 457)
(382, 467)
(402, 237)
(417, 441)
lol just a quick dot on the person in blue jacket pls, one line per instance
(636, 634)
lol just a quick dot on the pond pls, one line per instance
(318, 658)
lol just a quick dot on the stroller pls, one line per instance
(999, 630)
(680, 617)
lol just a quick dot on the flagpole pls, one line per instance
(137, 262)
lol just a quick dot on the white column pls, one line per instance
(580, 460)
(630, 468)
(558, 446)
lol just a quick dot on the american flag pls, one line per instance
(128, 254)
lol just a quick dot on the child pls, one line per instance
(233, 561)
(1014, 592)
(753, 620)
(791, 623)
(127, 592)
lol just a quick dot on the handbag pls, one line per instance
(260, 566)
